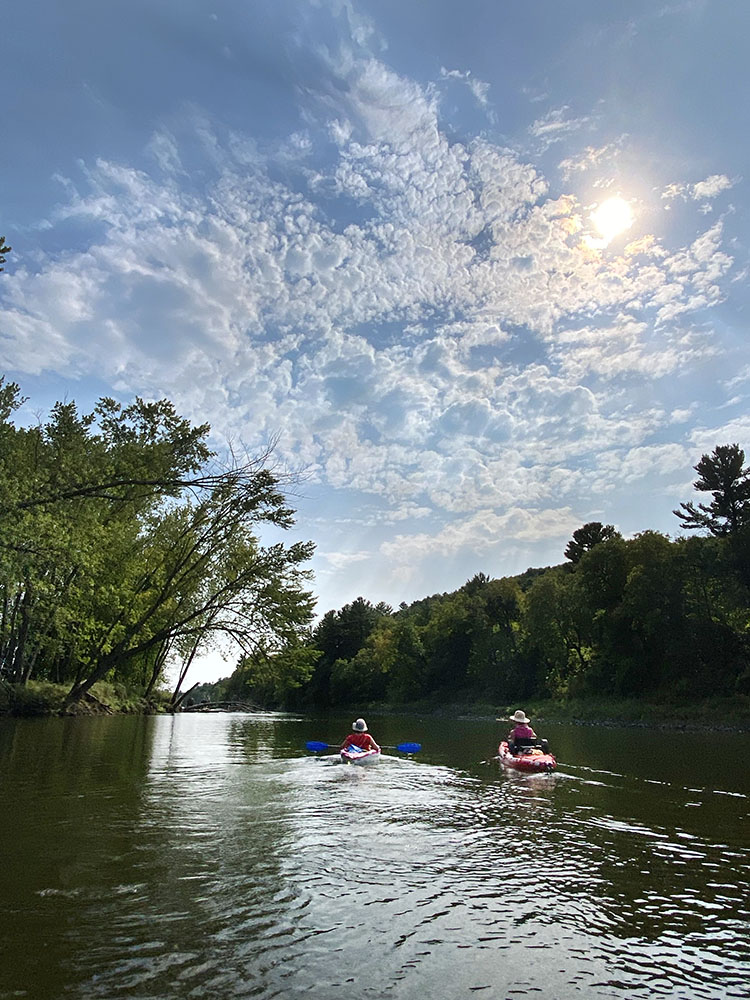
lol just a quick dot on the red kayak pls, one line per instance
(532, 759)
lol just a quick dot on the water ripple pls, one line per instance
(236, 868)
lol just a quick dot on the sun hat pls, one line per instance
(519, 716)
(359, 726)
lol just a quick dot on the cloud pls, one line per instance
(711, 187)
(592, 158)
(636, 464)
(734, 431)
(480, 533)
(479, 89)
(416, 318)
(343, 560)
(704, 190)
(556, 126)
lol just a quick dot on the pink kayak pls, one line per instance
(532, 759)
(355, 755)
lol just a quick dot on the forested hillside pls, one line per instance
(124, 546)
(648, 616)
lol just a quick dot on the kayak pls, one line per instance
(530, 759)
(356, 755)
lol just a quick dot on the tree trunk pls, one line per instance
(161, 655)
(18, 671)
(183, 671)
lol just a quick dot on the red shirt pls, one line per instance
(362, 740)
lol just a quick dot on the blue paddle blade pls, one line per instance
(315, 746)
(409, 747)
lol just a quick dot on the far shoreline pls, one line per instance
(711, 715)
(718, 715)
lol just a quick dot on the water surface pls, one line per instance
(210, 856)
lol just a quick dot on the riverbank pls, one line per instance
(710, 714)
(40, 698)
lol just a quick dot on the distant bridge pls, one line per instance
(221, 706)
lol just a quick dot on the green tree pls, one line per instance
(271, 680)
(558, 622)
(4, 249)
(121, 545)
(208, 576)
(339, 636)
(586, 537)
(724, 476)
(447, 640)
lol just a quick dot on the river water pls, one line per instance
(212, 857)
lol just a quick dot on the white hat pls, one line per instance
(519, 716)
(359, 726)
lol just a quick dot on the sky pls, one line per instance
(479, 268)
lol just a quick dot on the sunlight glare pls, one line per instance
(612, 217)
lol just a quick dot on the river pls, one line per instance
(212, 857)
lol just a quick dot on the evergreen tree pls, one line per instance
(585, 538)
(4, 249)
(722, 474)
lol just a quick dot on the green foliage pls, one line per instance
(269, 681)
(121, 546)
(4, 249)
(340, 635)
(724, 476)
(587, 537)
(644, 618)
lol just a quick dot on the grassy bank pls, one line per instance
(731, 714)
(39, 698)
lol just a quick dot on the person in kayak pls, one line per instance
(521, 735)
(360, 737)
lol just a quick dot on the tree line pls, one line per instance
(648, 616)
(126, 546)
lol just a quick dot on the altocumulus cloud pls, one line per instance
(415, 317)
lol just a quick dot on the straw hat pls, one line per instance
(359, 726)
(519, 716)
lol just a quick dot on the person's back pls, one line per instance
(362, 740)
(522, 734)
(360, 737)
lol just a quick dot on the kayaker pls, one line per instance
(521, 734)
(360, 737)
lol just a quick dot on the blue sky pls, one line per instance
(480, 267)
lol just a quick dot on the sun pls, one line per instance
(612, 217)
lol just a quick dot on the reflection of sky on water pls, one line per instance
(210, 856)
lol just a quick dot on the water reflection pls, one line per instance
(209, 856)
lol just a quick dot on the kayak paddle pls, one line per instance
(316, 746)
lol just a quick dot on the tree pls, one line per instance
(206, 575)
(723, 476)
(586, 537)
(339, 636)
(558, 623)
(74, 519)
(4, 248)
(123, 542)
(271, 680)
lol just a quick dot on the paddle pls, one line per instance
(316, 746)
